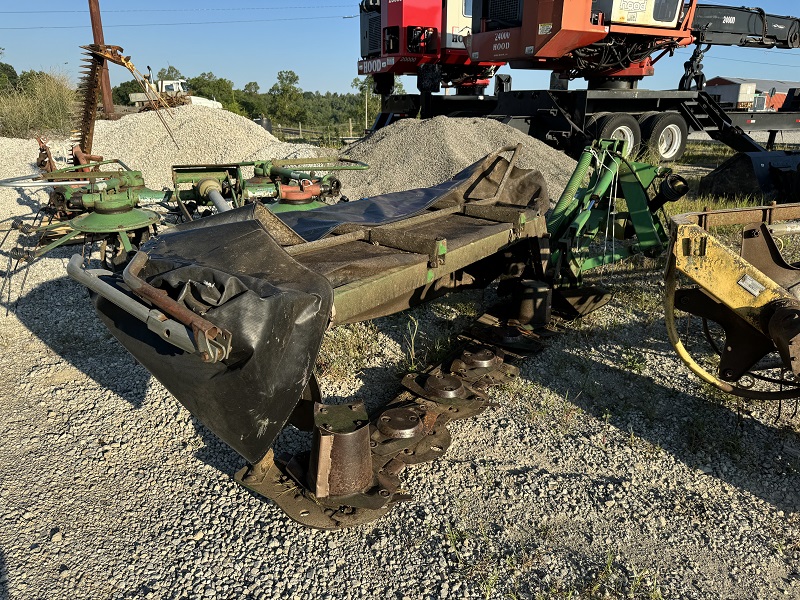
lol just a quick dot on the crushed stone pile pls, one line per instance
(408, 154)
(412, 153)
(205, 136)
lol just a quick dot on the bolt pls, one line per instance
(373, 444)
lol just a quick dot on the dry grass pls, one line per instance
(43, 106)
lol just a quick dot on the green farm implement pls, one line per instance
(229, 311)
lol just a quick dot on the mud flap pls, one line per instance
(231, 271)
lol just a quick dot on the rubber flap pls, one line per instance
(232, 271)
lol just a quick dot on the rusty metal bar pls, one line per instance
(214, 342)
(105, 83)
(740, 216)
(328, 242)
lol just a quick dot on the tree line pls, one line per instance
(286, 104)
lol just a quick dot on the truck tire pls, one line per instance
(644, 117)
(665, 136)
(617, 126)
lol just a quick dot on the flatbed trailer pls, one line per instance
(566, 119)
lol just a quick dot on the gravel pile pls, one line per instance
(412, 153)
(204, 135)
(607, 471)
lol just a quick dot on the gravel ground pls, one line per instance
(607, 471)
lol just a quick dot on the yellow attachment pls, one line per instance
(723, 274)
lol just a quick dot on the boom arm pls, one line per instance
(746, 27)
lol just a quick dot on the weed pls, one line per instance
(489, 583)
(603, 580)
(412, 327)
(696, 431)
(633, 360)
(348, 349)
(43, 105)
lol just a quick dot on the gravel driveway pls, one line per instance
(607, 471)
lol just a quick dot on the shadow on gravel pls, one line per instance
(719, 438)
(84, 342)
(214, 452)
(30, 199)
(4, 595)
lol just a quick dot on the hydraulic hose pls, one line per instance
(567, 200)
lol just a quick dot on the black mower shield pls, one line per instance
(228, 270)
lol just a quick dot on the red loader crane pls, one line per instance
(612, 44)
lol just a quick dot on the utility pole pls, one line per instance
(105, 83)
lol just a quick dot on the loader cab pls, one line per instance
(457, 23)
(643, 13)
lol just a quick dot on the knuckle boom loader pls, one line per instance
(612, 44)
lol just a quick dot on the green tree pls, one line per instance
(121, 93)
(216, 88)
(27, 79)
(169, 74)
(251, 87)
(286, 104)
(8, 76)
(253, 105)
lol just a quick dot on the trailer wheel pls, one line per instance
(665, 135)
(644, 117)
(617, 126)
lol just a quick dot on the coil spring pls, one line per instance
(21, 254)
(20, 225)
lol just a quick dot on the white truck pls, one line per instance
(176, 89)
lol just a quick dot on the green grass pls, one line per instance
(43, 107)
(348, 349)
(709, 153)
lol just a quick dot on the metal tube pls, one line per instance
(171, 331)
(38, 184)
(97, 32)
(219, 202)
(785, 228)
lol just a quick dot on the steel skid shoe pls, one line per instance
(352, 474)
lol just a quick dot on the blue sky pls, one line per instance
(251, 40)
